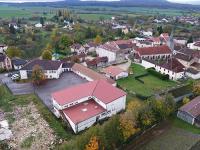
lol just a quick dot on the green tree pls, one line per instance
(42, 21)
(12, 29)
(146, 116)
(113, 134)
(65, 41)
(190, 40)
(13, 52)
(47, 55)
(186, 100)
(37, 75)
(98, 39)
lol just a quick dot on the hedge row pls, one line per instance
(153, 72)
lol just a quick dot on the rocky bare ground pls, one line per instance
(30, 130)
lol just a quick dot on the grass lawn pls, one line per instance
(172, 139)
(184, 125)
(151, 84)
(8, 102)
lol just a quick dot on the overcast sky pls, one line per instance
(178, 1)
(20, 1)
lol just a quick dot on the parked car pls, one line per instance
(15, 77)
(8, 74)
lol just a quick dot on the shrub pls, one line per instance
(153, 72)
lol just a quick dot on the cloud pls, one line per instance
(23, 1)
(186, 1)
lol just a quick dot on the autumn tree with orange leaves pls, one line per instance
(93, 144)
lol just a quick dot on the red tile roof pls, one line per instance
(99, 89)
(83, 111)
(164, 49)
(90, 73)
(113, 70)
(155, 39)
(173, 65)
(193, 107)
(109, 47)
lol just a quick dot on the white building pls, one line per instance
(89, 74)
(115, 50)
(171, 67)
(18, 63)
(147, 33)
(85, 104)
(51, 69)
(3, 48)
(195, 45)
(78, 49)
(115, 72)
(38, 25)
(158, 52)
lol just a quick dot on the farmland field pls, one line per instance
(88, 12)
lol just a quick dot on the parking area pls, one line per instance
(43, 91)
(66, 80)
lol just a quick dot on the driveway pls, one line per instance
(66, 80)
(125, 66)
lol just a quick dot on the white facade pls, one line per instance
(147, 33)
(123, 74)
(80, 50)
(193, 46)
(147, 64)
(193, 76)
(156, 56)
(112, 108)
(38, 25)
(172, 75)
(82, 75)
(3, 48)
(106, 53)
(49, 74)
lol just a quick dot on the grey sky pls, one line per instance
(178, 1)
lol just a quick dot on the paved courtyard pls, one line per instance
(44, 91)
(66, 80)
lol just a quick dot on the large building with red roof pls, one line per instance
(115, 50)
(157, 52)
(83, 105)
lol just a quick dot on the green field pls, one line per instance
(151, 84)
(172, 139)
(178, 133)
(89, 12)
(94, 17)
(15, 12)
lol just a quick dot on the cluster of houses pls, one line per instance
(167, 54)
(83, 105)
(189, 20)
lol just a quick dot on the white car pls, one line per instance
(15, 77)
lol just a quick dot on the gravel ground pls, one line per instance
(28, 124)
